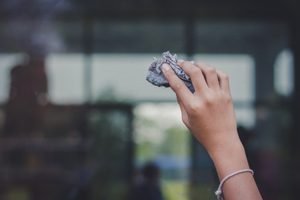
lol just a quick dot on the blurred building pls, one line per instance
(72, 73)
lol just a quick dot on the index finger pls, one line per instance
(177, 85)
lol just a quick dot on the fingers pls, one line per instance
(204, 76)
(182, 92)
(196, 75)
(224, 81)
(210, 74)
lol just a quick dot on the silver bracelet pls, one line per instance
(219, 192)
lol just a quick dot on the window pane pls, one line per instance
(66, 78)
(138, 36)
(240, 69)
(123, 77)
(284, 78)
(160, 137)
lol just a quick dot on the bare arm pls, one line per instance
(209, 114)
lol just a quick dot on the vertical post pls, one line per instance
(265, 129)
(190, 36)
(264, 74)
(131, 145)
(87, 38)
(201, 173)
(295, 133)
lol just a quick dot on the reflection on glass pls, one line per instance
(161, 137)
(283, 69)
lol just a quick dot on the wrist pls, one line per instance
(225, 146)
(229, 157)
(223, 143)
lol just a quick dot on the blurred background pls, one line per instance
(78, 121)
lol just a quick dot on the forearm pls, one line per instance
(229, 159)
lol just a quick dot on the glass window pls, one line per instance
(66, 78)
(240, 69)
(123, 77)
(138, 36)
(284, 78)
(160, 137)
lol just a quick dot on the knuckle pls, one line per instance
(208, 99)
(187, 66)
(195, 107)
(198, 75)
(200, 65)
(227, 98)
(211, 70)
(224, 97)
(223, 75)
(195, 71)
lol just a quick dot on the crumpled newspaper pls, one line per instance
(156, 76)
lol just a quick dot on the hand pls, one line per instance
(209, 112)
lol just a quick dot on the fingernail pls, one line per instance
(165, 67)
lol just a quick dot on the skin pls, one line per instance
(209, 115)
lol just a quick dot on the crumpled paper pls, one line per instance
(156, 76)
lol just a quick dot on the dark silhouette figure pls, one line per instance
(27, 95)
(148, 187)
(24, 113)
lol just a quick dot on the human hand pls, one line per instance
(208, 112)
